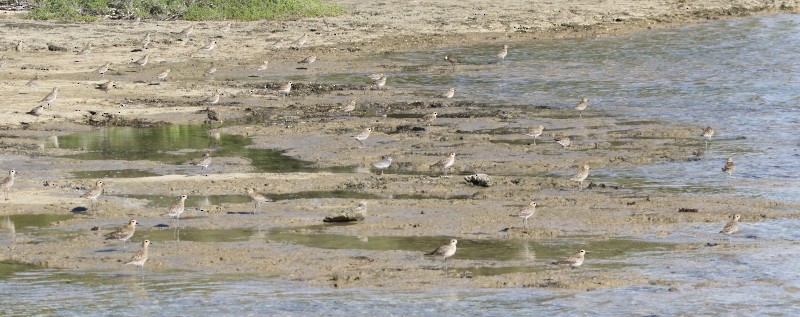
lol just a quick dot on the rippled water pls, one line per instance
(739, 76)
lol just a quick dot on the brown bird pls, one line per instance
(731, 227)
(445, 251)
(93, 193)
(729, 167)
(123, 233)
(50, 98)
(140, 257)
(213, 116)
(7, 182)
(573, 261)
(257, 198)
(428, 118)
(105, 86)
(453, 60)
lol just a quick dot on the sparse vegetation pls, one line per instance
(195, 10)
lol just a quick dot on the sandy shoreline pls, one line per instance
(349, 43)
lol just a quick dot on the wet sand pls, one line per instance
(487, 138)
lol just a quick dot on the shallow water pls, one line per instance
(739, 76)
(175, 144)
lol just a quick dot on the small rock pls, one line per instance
(479, 180)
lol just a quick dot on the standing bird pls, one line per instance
(445, 163)
(93, 193)
(184, 34)
(285, 89)
(573, 261)
(362, 136)
(212, 115)
(177, 209)
(7, 182)
(104, 69)
(375, 76)
(18, 47)
(731, 227)
(203, 162)
(535, 132)
(142, 61)
(257, 198)
(37, 111)
(708, 132)
(208, 47)
(105, 86)
(86, 50)
(301, 41)
(263, 66)
(428, 118)
(526, 213)
(145, 41)
(581, 106)
(123, 233)
(163, 75)
(563, 142)
(140, 257)
(50, 98)
(445, 251)
(213, 99)
(308, 61)
(450, 93)
(580, 176)
(503, 53)
(380, 82)
(729, 167)
(350, 106)
(453, 61)
(383, 164)
(33, 83)
(225, 28)
(211, 71)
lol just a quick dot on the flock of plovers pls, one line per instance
(379, 80)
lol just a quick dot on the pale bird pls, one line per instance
(203, 162)
(142, 61)
(572, 261)
(503, 53)
(105, 86)
(102, 70)
(580, 176)
(535, 132)
(7, 182)
(257, 198)
(449, 93)
(581, 106)
(363, 135)
(428, 118)
(163, 75)
(708, 132)
(50, 98)
(93, 193)
(383, 164)
(140, 257)
(445, 163)
(177, 209)
(445, 251)
(285, 89)
(526, 213)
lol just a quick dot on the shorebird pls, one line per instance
(363, 135)
(263, 66)
(383, 164)
(177, 209)
(375, 76)
(37, 111)
(731, 227)
(285, 89)
(257, 198)
(729, 167)
(581, 106)
(526, 213)
(450, 93)
(708, 132)
(123, 233)
(210, 71)
(580, 176)
(208, 47)
(18, 47)
(503, 53)
(428, 118)
(453, 61)
(93, 193)
(203, 162)
(184, 34)
(33, 83)
(163, 75)
(212, 115)
(86, 50)
(563, 142)
(140, 257)
(445, 251)
(446, 163)
(573, 261)
(213, 99)
(225, 28)
(142, 61)
(308, 61)
(50, 98)
(350, 106)
(105, 86)
(380, 82)
(145, 41)
(104, 69)
(301, 41)
(7, 182)
(535, 132)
